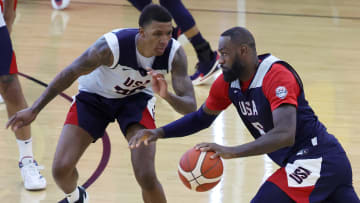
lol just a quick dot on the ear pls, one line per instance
(242, 49)
(141, 31)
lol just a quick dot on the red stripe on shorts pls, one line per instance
(13, 65)
(298, 194)
(72, 116)
(147, 120)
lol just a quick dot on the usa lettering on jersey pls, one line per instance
(131, 86)
(248, 108)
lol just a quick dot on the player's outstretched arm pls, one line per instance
(145, 136)
(9, 14)
(98, 54)
(187, 125)
(184, 101)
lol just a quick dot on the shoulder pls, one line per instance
(177, 58)
(280, 86)
(101, 51)
(218, 98)
(220, 82)
(220, 87)
(179, 54)
(279, 72)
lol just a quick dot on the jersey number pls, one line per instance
(132, 85)
(259, 127)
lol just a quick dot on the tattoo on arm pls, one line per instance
(98, 54)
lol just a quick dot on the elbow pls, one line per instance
(290, 140)
(190, 108)
(193, 107)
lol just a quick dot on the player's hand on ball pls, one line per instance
(146, 136)
(222, 151)
(21, 119)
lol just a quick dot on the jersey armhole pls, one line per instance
(174, 49)
(113, 44)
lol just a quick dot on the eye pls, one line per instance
(223, 54)
(157, 33)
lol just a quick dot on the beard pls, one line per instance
(234, 72)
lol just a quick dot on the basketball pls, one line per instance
(60, 4)
(198, 171)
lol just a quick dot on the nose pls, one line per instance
(164, 39)
(221, 60)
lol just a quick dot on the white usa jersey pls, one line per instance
(127, 75)
(2, 21)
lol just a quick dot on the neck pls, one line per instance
(250, 69)
(141, 46)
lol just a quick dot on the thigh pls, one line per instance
(7, 56)
(269, 192)
(344, 193)
(335, 179)
(72, 143)
(313, 178)
(90, 112)
(137, 109)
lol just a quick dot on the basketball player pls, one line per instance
(113, 84)
(14, 100)
(269, 97)
(208, 59)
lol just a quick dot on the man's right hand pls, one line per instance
(21, 119)
(145, 136)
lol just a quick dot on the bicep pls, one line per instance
(96, 55)
(180, 80)
(284, 118)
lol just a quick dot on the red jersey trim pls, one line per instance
(280, 86)
(218, 98)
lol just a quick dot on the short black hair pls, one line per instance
(240, 35)
(154, 12)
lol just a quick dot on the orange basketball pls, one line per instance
(198, 172)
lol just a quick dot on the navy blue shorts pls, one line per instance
(93, 112)
(311, 178)
(7, 56)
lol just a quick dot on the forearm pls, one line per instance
(9, 12)
(181, 104)
(187, 125)
(265, 144)
(61, 82)
(9, 5)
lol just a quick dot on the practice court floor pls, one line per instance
(319, 38)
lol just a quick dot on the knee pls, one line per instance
(147, 180)
(5, 81)
(61, 169)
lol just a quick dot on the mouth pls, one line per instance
(160, 49)
(224, 68)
